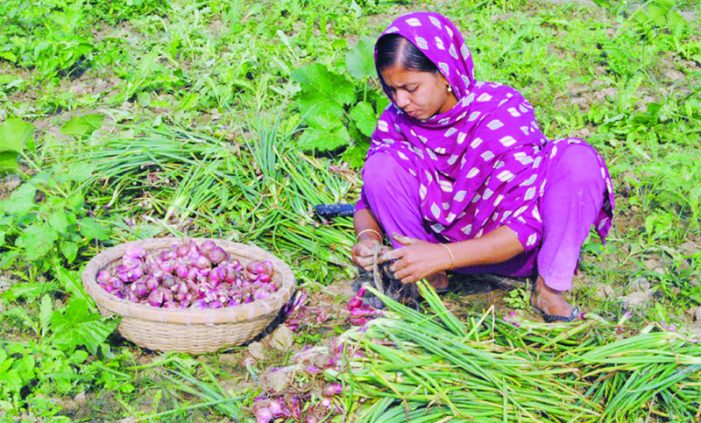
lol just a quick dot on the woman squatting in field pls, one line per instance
(459, 177)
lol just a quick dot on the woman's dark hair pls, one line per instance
(393, 49)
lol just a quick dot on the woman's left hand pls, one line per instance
(416, 260)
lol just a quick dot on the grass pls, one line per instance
(200, 136)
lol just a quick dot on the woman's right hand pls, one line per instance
(363, 252)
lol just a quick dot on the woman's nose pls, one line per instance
(401, 98)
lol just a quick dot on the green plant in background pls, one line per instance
(55, 36)
(339, 113)
(58, 363)
(49, 35)
(519, 298)
(15, 136)
(83, 126)
(115, 12)
(46, 217)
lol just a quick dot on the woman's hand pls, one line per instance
(363, 252)
(417, 259)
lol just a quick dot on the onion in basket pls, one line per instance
(188, 275)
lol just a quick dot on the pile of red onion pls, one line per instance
(311, 398)
(360, 312)
(269, 409)
(188, 275)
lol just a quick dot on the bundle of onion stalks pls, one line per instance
(431, 366)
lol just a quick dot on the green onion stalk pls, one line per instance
(259, 191)
(431, 366)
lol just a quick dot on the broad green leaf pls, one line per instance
(355, 155)
(381, 102)
(11, 81)
(21, 200)
(188, 101)
(9, 56)
(324, 121)
(69, 250)
(28, 291)
(80, 172)
(360, 62)
(8, 161)
(12, 382)
(71, 283)
(144, 98)
(37, 240)
(15, 134)
(315, 139)
(58, 221)
(606, 4)
(83, 126)
(21, 315)
(75, 325)
(364, 117)
(45, 311)
(78, 357)
(75, 202)
(92, 230)
(25, 368)
(322, 90)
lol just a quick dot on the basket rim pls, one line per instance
(243, 312)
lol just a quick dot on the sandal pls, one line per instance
(550, 318)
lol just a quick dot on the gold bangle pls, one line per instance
(452, 257)
(357, 237)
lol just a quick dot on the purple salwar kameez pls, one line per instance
(481, 165)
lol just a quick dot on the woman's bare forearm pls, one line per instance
(495, 247)
(366, 225)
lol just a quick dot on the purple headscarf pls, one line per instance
(477, 164)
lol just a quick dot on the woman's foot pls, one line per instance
(439, 281)
(551, 303)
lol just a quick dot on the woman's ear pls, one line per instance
(445, 82)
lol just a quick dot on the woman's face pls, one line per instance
(419, 94)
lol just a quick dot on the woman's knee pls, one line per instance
(382, 173)
(579, 166)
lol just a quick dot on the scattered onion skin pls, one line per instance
(332, 389)
(263, 415)
(188, 275)
(360, 312)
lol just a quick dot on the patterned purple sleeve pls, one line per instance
(527, 228)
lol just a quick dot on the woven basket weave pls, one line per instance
(190, 330)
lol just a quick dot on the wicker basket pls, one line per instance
(190, 330)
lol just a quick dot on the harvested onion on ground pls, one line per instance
(188, 275)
